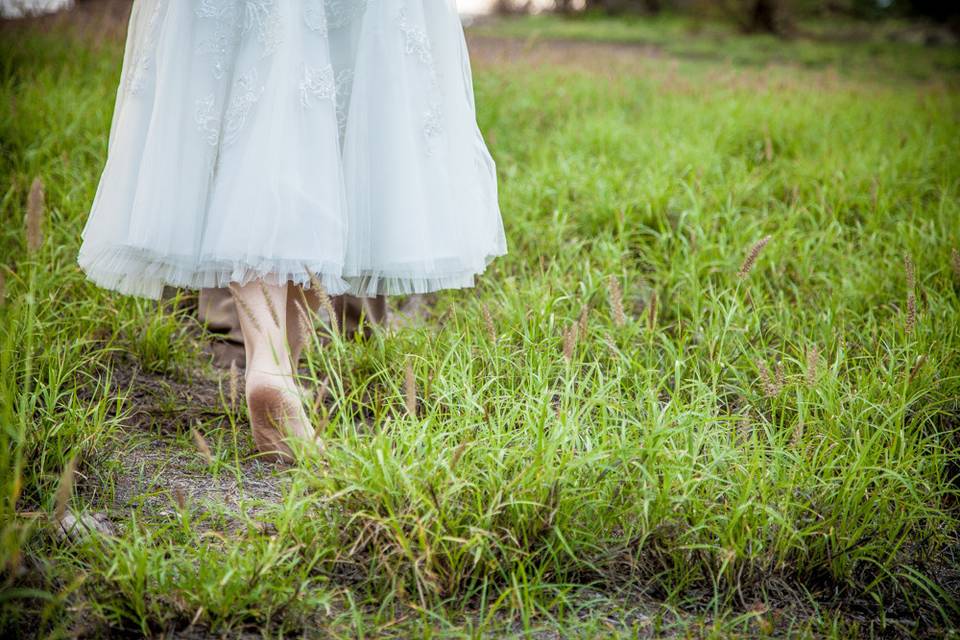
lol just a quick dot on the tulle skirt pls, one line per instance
(304, 141)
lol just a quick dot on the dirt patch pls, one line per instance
(172, 403)
(156, 466)
(160, 477)
(605, 57)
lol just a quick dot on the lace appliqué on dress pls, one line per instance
(219, 44)
(144, 60)
(245, 94)
(261, 17)
(234, 19)
(327, 85)
(416, 42)
(317, 84)
(341, 13)
(208, 124)
(315, 16)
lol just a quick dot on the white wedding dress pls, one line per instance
(288, 140)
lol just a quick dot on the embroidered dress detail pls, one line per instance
(433, 125)
(260, 17)
(317, 84)
(315, 16)
(207, 121)
(218, 45)
(144, 54)
(341, 13)
(417, 43)
(343, 87)
(416, 40)
(246, 92)
(304, 141)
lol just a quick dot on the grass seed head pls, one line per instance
(569, 342)
(325, 302)
(410, 386)
(36, 203)
(615, 293)
(770, 386)
(234, 384)
(269, 300)
(813, 359)
(3, 287)
(752, 256)
(202, 446)
(16, 489)
(611, 346)
(910, 323)
(955, 264)
(245, 309)
(65, 489)
(180, 498)
(652, 312)
(910, 272)
(304, 322)
(457, 454)
(797, 436)
(488, 323)
(583, 324)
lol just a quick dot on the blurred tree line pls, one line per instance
(771, 16)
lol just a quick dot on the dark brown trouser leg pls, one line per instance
(354, 312)
(218, 312)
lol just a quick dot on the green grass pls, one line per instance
(774, 453)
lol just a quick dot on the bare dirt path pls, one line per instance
(489, 51)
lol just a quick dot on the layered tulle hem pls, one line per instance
(139, 272)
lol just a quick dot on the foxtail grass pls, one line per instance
(202, 446)
(910, 322)
(65, 489)
(489, 324)
(750, 261)
(268, 299)
(243, 309)
(326, 304)
(410, 388)
(615, 297)
(36, 209)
